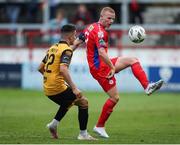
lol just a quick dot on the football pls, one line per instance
(137, 34)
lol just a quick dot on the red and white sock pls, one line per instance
(140, 74)
(106, 112)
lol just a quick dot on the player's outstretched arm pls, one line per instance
(76, 44)
(80, 39)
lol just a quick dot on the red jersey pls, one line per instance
(96, 37)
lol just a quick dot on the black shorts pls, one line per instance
(65, 98)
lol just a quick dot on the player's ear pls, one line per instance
(69, 36)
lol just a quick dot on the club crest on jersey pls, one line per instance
(100, 34)
(102, 42)
(111, 82)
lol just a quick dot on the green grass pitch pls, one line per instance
(136, 119)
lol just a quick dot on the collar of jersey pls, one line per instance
(100, 25)
(64, 42)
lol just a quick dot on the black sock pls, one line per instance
(83, 118)
(61, 112)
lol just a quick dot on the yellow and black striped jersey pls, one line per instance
(58, 54)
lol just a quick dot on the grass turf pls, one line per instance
(136, 119)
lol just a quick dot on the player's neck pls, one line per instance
(101, 23)
(65, 40)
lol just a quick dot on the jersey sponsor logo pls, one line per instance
(54, 50)
(91, 27)
(100, 34)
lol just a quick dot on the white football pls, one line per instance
(137, 34)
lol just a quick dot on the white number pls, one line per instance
(86, 35)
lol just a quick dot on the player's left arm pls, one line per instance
(106, 59)
(101, 45)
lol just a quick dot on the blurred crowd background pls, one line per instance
(82, 13)
(20, 18)
(29, 27)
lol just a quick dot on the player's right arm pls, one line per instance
(105, 58)
(79, 40)
(64, 65)
(41, 68)
(101, 45)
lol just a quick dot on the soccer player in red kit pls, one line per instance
(102, 68)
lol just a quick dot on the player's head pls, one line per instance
(107, 16)
(68, 33)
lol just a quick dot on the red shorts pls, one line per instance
(101, 75)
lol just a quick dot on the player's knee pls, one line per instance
(83, 103)
(134, 60)
(115, 98)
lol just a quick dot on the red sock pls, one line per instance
(140, 74)
(106, 112)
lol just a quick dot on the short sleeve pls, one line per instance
(66, 57)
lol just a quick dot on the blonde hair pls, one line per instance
(106, 9)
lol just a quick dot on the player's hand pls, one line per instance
(111, 73)
(82, 37)
(76, 44)
(77, 92)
